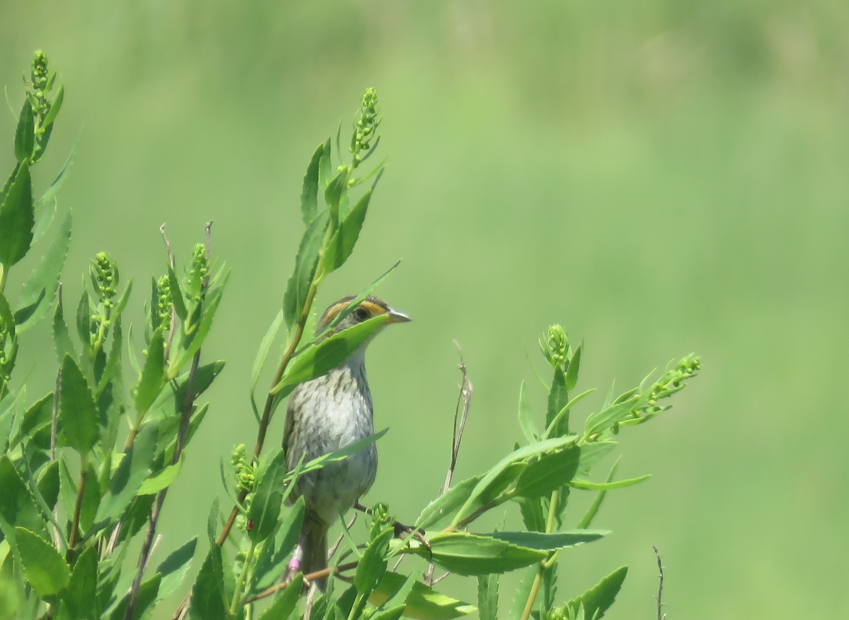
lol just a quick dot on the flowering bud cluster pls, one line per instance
(365, 129)
(162, 312)
(198, 272)
(555, 346)
(104, 277)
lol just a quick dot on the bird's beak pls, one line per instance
(397, 317)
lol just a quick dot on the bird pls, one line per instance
(326, 414)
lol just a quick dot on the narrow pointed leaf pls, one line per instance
(445, 505)
(574, 368)
(525, 420)
(264, 348)
(558, 397)
(470, 554)
(25, 133)
(264, 512)
(17, 217)
(306, 260)
(309, 189)
(18, 506)
(80, 594)
(77, 410)
(61, 336)
(153, 374)
(343, 241)
(607, 486)
(130, 475)
(175, 567)
(422, 602)
(46, 570)
(549, 542)
(285, 602)
(54, 188)
(598, 599)
(208, 593)
(161, 480)
(549, 472)
(592, 453)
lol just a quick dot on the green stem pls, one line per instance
(545, 564)
(355, 607)
(240, 582)
(4, 273)
(75, 523)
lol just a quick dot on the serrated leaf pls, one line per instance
(574, 368)
(80, 593)
(471, 554)
(549, 542)
(175, 567)
(54, 188)
(264, 348)
(549, 472)
(488, 597)
(422, 602)
(525, 420)
(343, 241)
(83, 322)
(161, 480)
(286, 601)
(598, 599)
(558, 397)
(48, 484)
(153, 373)
(45, 569)
(61, 336)
(264, 512)
(592, 453)
(372, 565)
(325, 166)
(77, 410)
(18, 507)
(208, 310)
(177, 297)
(309, 189)
(17, 217)
(320, 359)
(520, 598)
(38, 414)
(306, 261)
(443, 506)
(276, 550)
(40, 290)
(25, 133)
(131, 473)
(55, 106)
(208, 594)
(147, 595)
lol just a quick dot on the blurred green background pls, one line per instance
(660, 177)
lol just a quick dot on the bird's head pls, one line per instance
(369, 308)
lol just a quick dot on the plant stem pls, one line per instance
(240, 582)
(268, 410)
(319, 574)
(4, 273)
(75, 524)
(543, 566)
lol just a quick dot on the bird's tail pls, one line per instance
(315, 551)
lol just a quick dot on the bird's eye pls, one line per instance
(361, 314)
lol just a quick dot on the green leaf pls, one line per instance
(325, 166)
(153, 374)
(39, 414)
(470, 554)
(488, 597)
(549, 472)
(18, 507)
(564, 413)
(604, 419)
(208, 594)
(175, 567)
(264, 512)
(130, 475)
(148, 592)
(210, 306)
(558, 397)
(54, 188)
(286, 601)
(525, 415)
(17, 217)
(392, 613)
(372, 566)
(61, 336)
(594, 507)
(80, 593)
(40, 290)
(574, 368)
(45, 569)
(341, 454)
(309, 190)
(422, 603)
(549, 542)
(90, 500)
(532, 514)
(177, 296)
(77, 410)
(55, 106)
(592, 453)
(25, 133)
(320, 359)
(48, 484)
(84, 311)
(520, 599)
(607, 486)
(343, 241)
(264, 348)
(276, 551)
(598, 599)
(161, 480)
(306, 261)
(45, 214)
(493, 474)
(446, 504)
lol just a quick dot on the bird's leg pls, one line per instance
(400, 528)
(294, 566)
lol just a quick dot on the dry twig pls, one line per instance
(659, 597)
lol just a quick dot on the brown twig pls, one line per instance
(659, 597)
(309, 578)
(464, 398)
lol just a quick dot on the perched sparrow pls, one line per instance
(326, 414)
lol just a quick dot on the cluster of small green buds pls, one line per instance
(104, 278)
(38, 85)
(672, 381)
(245, 472)
(380, 520)
(162, 311)
(555, 346)
(3, 336)
(198, 272)
(365, 128)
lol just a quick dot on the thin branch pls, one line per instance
(75, 523)
(167, 245)
(335, 547)
(464, 398)
(659, 597)
(309, 578)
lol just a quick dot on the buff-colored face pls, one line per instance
(369, 308)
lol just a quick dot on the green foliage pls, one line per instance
(79, 492)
